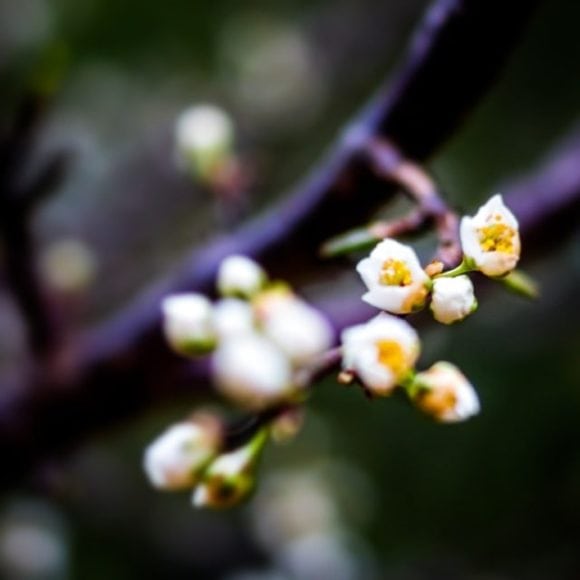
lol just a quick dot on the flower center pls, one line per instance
(497, 237)
(391, 355)
(395, 273)
(439, 401)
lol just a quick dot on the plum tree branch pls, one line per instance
(123, 367)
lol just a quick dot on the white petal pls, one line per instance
(452, 299)
(299, 330)
(174, 459)
(188, 320)
(393, 298)
(252, 371)
(232, 316)
(240, 275)
(378, 378)
(202, 128)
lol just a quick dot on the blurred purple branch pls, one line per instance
(124, 367)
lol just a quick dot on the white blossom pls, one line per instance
(252, 371)
(188, 323)
(240, 276)
(381, 352)
(204, 135)
(298, 329)
(491, 238)
(446, 394)
(452, 299)
(232, 316)
(394, 278)
(177, 457)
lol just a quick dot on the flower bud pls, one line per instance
(445, 393)
(231, 477)
(452, 299)
(232, 317)
(491, 239)
(240, 276)
(298, 329)
(287, 425)
(252, 371)
(176, 459)
(394, 278)
(188, 323)
(204, 137)
(382, 352)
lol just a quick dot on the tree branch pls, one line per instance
(124, 367)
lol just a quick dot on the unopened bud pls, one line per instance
(204, 137)
(231, 477)
(445, 393)
(240, 276)
(176, 459)
(188, 323)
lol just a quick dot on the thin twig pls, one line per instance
(124, 366)
(431, 208)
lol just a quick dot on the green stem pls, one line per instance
(465, 267)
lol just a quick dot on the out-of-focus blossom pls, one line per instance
(177, 458)
(232, 317)
(491, 238)
(452, 299)
(251, 371)
(381, 352)
(204, 136)
(240, 276)
(298, 329)
(68, 265)
(33, 542)
(279, 59)
(394, 278)
(188, 323)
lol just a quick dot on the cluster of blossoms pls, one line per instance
(262, 337)
(382, 352)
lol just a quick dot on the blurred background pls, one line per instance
(368, 489)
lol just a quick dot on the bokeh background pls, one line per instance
(369, 489)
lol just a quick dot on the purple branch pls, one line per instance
(124, 367)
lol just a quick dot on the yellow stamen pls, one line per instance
(497, 237)
(391, 355)
(437, 402)
(395, 273)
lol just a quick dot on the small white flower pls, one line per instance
(252, 371)
(240, 276)
(188, 323)
(394, 278)
(232, 316)
(381, 352)
(177, 457)
(491, 238)
(231, 476)
(298, 329)
(204, 135)
(446, 394)
(452, 299)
